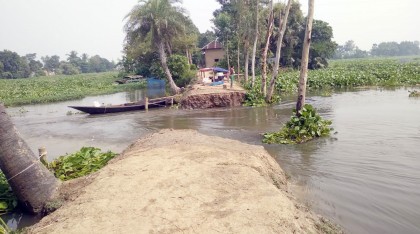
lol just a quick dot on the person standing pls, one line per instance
(232, 76)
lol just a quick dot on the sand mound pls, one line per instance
(183, 182)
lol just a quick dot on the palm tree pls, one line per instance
(158, 21)
(305, 57)
(31, 181)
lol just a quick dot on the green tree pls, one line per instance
(322, 46)
(13, 66)
(84, 63)
(35, 66)
(156, 21)
(74, 59)
(51, 63)
(67, 68)
(98, 64)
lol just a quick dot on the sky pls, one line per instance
(95, 27)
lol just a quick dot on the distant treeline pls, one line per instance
(383, 49)
(13, 66)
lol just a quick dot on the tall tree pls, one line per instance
(254, 48)
(282, 29)
(270, 23)
(305, 57)
(158, 21)
(51, 63)
(31, 182)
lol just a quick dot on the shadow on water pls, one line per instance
(365, 178)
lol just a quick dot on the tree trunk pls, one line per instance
(169, 48)
(188, 56)
(265, 51)
(163, 60)
(227, 54)
(31, 181)
(238, 58)
(305, 57)
(254, 48)
(246, 66)
(282, 29)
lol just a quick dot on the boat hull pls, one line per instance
(93, 110)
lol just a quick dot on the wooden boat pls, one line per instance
(134, 106)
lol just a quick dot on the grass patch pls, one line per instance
(15, 92)
(297, 130)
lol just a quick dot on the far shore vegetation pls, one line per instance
(15, 92)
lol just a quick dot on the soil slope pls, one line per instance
(182, 182)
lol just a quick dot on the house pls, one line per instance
(213, 52)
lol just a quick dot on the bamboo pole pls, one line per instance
(43, 155)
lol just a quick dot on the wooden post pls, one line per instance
(147, 104)
(172, 102)
(43, 155)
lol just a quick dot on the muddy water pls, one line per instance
(366, 177)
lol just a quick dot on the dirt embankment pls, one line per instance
(182, 182)
(205, 96)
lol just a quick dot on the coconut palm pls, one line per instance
(158, 21)
(31, 181)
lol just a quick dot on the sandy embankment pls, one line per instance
(183, 182)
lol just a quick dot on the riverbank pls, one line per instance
(178, 181)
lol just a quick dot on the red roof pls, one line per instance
(213, 45)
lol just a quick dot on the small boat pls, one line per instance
(134, 106)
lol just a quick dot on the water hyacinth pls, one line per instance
(14, 92)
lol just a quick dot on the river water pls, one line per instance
(366, 177)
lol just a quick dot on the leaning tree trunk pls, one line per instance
(31, 181)
(163, 60)
(304, 62)
(282, 29)
(265, 51)
(254, 48)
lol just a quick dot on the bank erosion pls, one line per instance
(177, 181)
(200, 96)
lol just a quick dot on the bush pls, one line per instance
(180, 70)
(300, 129)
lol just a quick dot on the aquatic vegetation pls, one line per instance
(14, 92)
(343, 74)
(81, 163)
(355, 73)
(300, 129)
(254, 97)
(8, 200)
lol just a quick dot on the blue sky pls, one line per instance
(49, 27)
